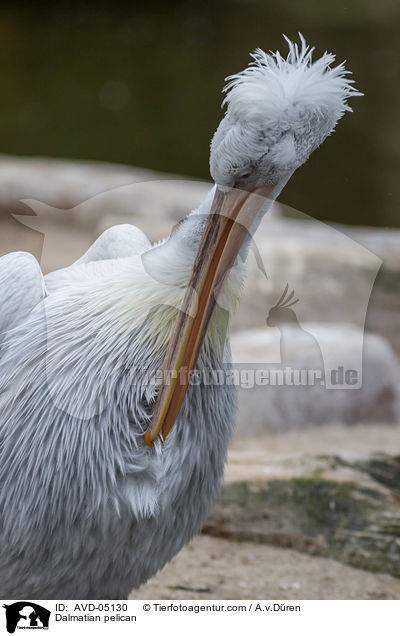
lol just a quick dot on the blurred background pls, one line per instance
(106, 116)
(140, 84)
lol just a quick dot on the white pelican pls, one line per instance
(95, 498)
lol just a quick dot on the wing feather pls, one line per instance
(22, 287)
(120, 241)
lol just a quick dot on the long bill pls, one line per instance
(229, 222)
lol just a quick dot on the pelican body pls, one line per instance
(107, 467)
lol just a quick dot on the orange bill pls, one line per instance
(232, 218)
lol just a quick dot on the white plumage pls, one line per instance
(22, 288)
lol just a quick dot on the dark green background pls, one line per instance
(141, 85)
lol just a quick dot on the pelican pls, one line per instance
(112, 445)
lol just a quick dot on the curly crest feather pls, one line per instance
(273, 82)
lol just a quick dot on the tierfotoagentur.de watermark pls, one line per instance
(248, 378)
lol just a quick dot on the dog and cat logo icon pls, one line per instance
(26, 615)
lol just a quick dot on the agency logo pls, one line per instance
(26, 615)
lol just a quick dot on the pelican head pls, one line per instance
(278, 110)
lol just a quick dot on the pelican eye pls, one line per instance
(243, 177)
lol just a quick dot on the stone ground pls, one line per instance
(219, 569)
(216, 568)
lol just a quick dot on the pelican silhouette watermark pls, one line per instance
(284, 316)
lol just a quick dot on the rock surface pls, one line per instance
(334, 350)
(332, 491)
(344, 516)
